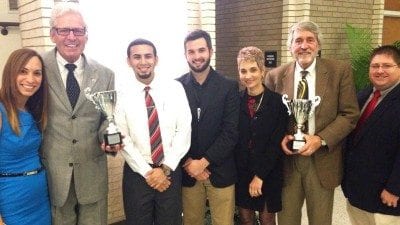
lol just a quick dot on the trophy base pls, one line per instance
(112, 139)
(297, 144)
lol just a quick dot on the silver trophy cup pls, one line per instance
(105, 101)
(301, 109)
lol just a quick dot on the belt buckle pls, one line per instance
(33, 172)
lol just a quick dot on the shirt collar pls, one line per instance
(62, 62)
(385, 92)
(194, 81)
(310, 69)
(153, 85)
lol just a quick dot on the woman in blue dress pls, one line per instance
(24, 196)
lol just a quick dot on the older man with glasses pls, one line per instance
(77, 167)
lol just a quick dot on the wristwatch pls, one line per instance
(323, 142)
(166, 170)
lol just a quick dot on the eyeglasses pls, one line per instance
(67, 31)
(383, 66)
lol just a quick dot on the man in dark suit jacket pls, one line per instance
(314, 172)
(76, 166)
(209, 165)
(372, 158)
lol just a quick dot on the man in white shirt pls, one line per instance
(152, 177)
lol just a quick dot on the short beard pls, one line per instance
(144, 76)
(201, 69)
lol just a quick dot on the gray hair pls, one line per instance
(63, 8)
(304, 26)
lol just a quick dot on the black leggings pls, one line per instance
(247, 217)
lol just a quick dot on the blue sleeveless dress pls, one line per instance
(24, 200)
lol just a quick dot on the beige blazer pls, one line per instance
(71, 145)
(335, 117)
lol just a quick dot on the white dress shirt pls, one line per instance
(174, 118)
(311, 77)
(78, 72)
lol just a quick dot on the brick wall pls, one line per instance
(201, 15)
(265, 23)
(115, 203)
(243, 23)
(34, 23)
(332, 17)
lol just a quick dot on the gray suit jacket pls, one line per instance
(71, 145)
(335, 117)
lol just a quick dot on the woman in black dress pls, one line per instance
(262, 123)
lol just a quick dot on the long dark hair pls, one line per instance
(37, 103)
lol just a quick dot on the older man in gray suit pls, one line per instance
(76, 165)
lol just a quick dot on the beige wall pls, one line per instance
(265, 23)
(11, 41)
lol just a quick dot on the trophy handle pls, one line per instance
(91, 97)
(285, 100)
(88, 95)
(314, 103)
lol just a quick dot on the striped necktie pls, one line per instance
(302, 87)
(157, 153)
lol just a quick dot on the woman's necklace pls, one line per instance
(259, 102)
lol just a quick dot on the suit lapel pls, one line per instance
(214, 90)
(288, 81)
(90, 77)
(54, 80)
(321, 82)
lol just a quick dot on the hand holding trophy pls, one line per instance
(301, 109)
(105, 102)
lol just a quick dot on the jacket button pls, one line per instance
(70, 164)
(74, 141)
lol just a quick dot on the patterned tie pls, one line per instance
(72, 85)
(302, 88)
(157, 153)
(369, 109)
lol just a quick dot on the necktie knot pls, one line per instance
(303, 74)
(369, 109)
(377, 94)
(70, 67)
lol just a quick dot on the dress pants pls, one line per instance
(146, 206)
(361, 217)
(74, 213)
(302, 183)
(221, 202)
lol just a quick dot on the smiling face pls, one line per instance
(250, 75)
(198, 55)
(304, 47)
(383, 71)
(143, 61)
(29, 79)
(70, 46)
